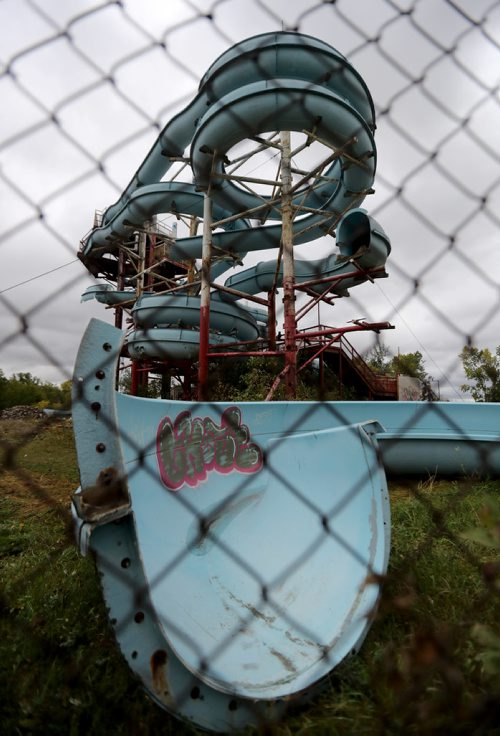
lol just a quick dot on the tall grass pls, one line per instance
(430, 664)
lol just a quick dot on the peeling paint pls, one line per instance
(285, 661)
(108, 494)
(253, 610)
(158, 664)
(302, 642)
(373, 532)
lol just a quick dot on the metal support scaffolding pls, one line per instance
(289, 322)
(205, 297)
(144, 265)
(271, 321)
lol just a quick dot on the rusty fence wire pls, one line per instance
(86, 89)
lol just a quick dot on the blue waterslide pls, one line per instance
(241, 547)
(170, 329)
(190, 512)
(274, 81)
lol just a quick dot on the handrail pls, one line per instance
(377, 382)
(154, 227)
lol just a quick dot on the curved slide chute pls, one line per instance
(166, 326)
(274, 81)
(235, 542)
(189, 510)
(239, 624)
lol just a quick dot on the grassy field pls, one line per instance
(430, 664)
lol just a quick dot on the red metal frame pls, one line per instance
(319, 339)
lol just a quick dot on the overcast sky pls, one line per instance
(85, 85)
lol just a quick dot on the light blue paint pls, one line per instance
(246, 603)
(149, 654)
(258, 572)
(251, 576)
(249, 90)
(275, 81)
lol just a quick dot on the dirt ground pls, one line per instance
(37, 462)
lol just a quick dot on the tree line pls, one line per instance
(24, 389)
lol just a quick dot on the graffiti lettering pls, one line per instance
(188, 448)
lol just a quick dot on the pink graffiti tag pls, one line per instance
(190, 447)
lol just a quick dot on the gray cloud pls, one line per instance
(432, 74)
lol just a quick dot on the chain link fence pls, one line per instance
(87, 89)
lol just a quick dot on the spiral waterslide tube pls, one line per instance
(274, 81)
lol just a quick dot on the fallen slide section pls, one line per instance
(190, 510)
(239, 546)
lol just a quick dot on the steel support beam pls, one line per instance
(206, 256)
(289, 322)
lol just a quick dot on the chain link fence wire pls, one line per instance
(87, 88)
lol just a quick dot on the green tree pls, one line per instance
(4, 386)
(482, 369)
(65, 390)
(252, 379)
(409, 364)
(404, 364)
(24, 389)
(379, 358)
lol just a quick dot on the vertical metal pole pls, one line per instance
(134, 384)
(166, 380)
(137, 373)
(191, 271)
(341, 371)
(150, 254)
(120, 285)
(141, 264)
(322, 374)
(206, 255)
(186, 384)
(271, 320)
(289, 324)
(145, 279)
